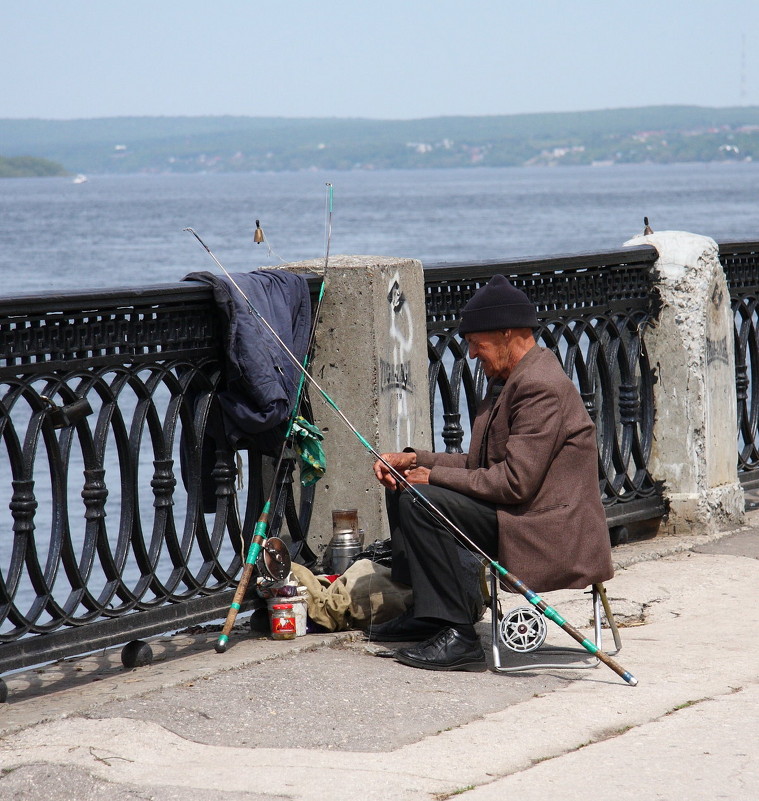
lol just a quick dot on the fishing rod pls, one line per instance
(513, 581)
(260, 530)
(303, 549)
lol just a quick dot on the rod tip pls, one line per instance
(221, 645)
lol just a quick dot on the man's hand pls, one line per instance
(419, 475)
(404, 463)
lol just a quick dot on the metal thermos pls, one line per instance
(345, 542)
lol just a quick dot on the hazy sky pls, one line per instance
(388, 59)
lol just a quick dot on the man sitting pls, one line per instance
(527, 492)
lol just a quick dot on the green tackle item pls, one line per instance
(307, 441)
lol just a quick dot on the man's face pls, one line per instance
(491, 348)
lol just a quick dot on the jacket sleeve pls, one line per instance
(431, 459)
(520, 449)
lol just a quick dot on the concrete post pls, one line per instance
(371, 359)
(690, 347)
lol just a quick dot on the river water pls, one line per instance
(127, 230)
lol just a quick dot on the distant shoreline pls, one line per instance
(30, 167)
(327, 171)
(132, 145)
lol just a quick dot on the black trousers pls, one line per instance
(444, 576)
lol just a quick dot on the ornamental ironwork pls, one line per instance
(740, 261)
(126, 518)
(593, 310)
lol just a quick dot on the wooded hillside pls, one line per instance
(216, 144)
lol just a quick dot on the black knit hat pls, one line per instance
(496, 306)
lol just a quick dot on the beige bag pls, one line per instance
(374, 596)
(364, 594)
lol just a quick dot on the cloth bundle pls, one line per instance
(364, 594)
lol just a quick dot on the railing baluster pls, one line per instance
(740, 261)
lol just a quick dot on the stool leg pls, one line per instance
(495, 621)
(600, 590)
(597, 631)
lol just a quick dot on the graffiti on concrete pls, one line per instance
(395, 371)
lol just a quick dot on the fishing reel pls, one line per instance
(523, 629)
(273, 561)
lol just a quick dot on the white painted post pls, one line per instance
(690, 348)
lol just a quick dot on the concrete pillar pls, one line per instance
(690, 348)
(371, 359)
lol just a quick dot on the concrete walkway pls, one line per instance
(322, 717)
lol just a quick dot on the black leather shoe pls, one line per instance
(447, 650)
(404, 628)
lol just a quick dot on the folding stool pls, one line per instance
(523, 631)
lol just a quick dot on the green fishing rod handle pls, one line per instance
(259, 538)
(259, 534)
(234, 608)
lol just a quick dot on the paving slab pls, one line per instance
(336, 697)
(743, 543)
(699, 752)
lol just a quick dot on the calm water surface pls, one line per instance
(127, 230)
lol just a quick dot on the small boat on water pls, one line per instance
(80, 179)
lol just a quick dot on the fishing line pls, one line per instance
(259, 238)
(517, 584)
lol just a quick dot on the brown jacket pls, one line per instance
(533, 453)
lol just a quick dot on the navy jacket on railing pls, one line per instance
(261, 382)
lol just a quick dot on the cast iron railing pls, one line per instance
(593, 309)
(124, 525)
(740, 261)
(124, 521)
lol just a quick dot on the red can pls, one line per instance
(282, 622)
